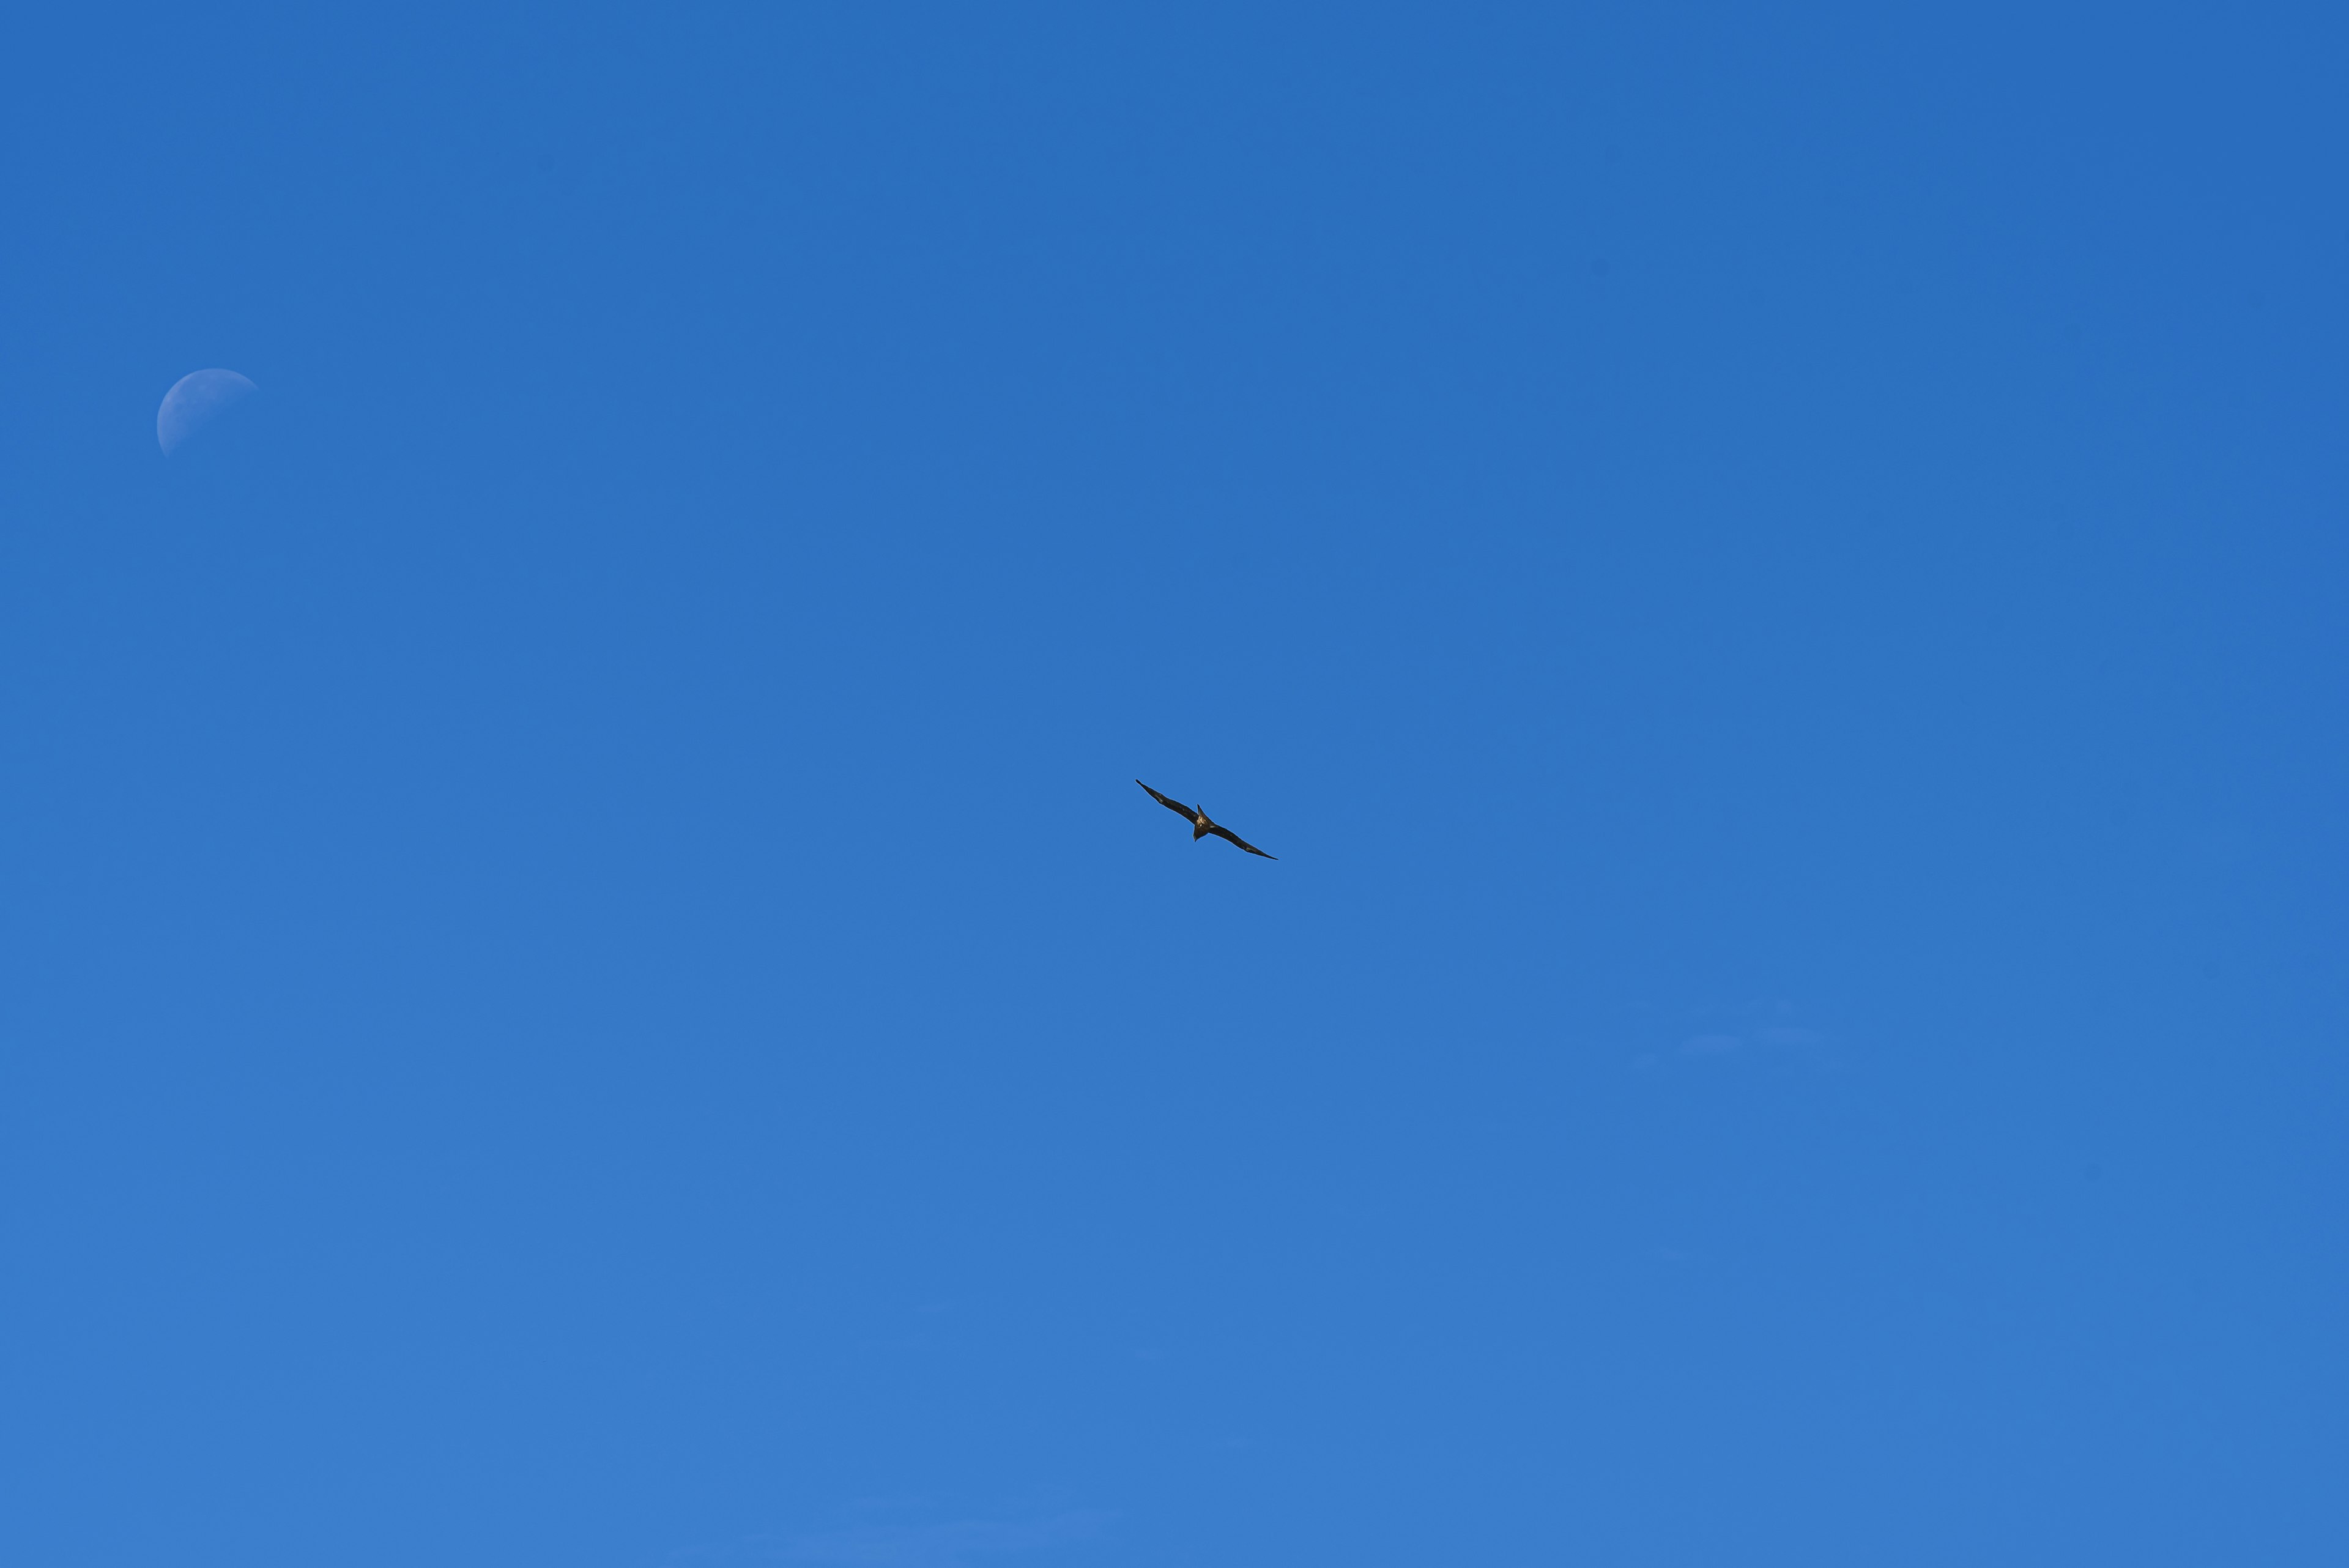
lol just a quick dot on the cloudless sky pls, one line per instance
(584, 981)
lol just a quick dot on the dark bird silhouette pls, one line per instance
(1202, 824)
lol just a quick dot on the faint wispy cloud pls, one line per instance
(1757, 1032)
(1710, 1044)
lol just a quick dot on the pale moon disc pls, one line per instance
(192, 401)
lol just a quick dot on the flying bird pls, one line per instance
(1202, 824)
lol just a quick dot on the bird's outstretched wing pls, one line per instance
(1222, 832)
(1176, 805)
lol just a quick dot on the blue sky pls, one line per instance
(587, 983)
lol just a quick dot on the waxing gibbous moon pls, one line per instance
(194, 400)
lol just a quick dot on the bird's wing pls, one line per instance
(1188, 815)
(1222, 832)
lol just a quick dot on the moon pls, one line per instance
(193, 402)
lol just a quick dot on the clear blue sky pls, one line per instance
(587, 983)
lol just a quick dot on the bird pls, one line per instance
(1202, 824)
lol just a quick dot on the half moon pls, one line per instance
(193, 402)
